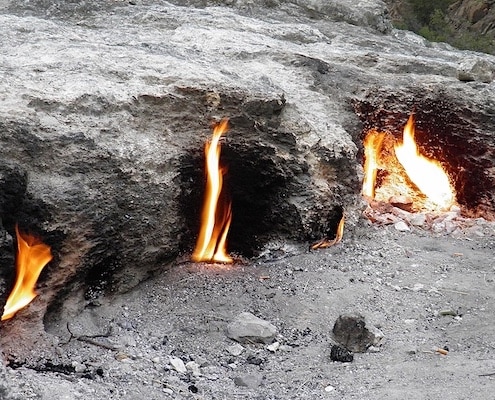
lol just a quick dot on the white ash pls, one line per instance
(444, 223)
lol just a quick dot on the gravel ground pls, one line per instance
(402, 283)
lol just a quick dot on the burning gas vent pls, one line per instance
(395, 171)
(216, 216)
(260, 183)
(32, 256)
(430, 160)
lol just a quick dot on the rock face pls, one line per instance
(478, 16)
(105, 107)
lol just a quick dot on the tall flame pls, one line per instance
(428, 175)
(32, 256)
(216, 216)
(372, 147)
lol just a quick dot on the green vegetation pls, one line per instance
(473, 41)
(426, 10)
(437, 29)
(429, 18)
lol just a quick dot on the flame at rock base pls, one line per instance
(428, 175)
(32, 256)
(397, 170)
(211, 245)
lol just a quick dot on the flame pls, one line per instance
(216, 216)
(428, 175)
(404, 172)
(324, 243)
(32, 256)
(372, 148)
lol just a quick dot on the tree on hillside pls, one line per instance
(425, 9)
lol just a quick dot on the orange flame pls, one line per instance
(428, 175)
(32, 256)
(211, 245)
(324, 243)
(372, 147)
(402, 164)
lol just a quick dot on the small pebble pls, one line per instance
(178, 365)
(252, 359)
(339, 353)
(78, 367)
(417, 287)
(447, 312)
(193, 367)
(193, 388)
(285, 347)
(235, 349)
(273, 347)
(329, 388)
(418, 220)
(251, 381)
(249, 328)
(401, 226)
(121, 356)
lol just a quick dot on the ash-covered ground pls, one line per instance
(166, 339)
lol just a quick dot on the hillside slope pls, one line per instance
(466, 24)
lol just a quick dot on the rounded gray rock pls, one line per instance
(249, 328)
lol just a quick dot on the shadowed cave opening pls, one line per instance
(260, 188)
(256, 187)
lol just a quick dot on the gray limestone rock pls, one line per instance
(249, 328)
(476, 70)
(251, 381)
(236, 349)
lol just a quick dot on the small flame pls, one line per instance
(324, 243)
(372, 147)
(211, 245)
(428, 175)
(32, 256)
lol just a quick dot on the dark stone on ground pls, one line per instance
(352, 333)
(339, 353)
